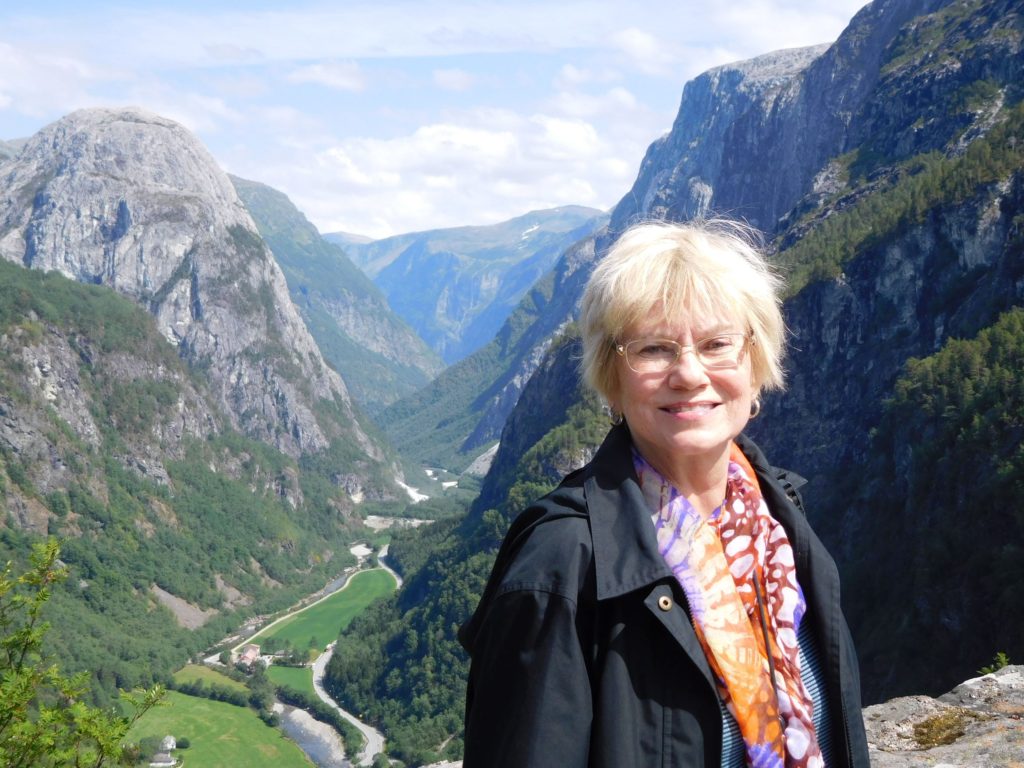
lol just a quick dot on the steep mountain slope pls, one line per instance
(461, 413)
(7, 150)
(165, 412)
(457, 286)
(173, 526)
(892, 197)
(380, 356)
(129, 200)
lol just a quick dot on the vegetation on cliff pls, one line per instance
(400, 662)
(945, 482)
(43, 721)
(222, 525)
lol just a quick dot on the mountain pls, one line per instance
(887, 172)
(9, 149)
(346, 239)
(457, 286)
(173, 526)
(164, 411)
(129, 200)
(379, 355)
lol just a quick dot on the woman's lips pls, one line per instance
(690, 408)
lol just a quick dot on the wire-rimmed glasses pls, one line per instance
(654, 355)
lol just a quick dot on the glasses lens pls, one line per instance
(658, 355)
(648, 355)
(720, 351)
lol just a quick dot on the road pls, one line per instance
(374, 738)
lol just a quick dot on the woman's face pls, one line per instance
(688, 412)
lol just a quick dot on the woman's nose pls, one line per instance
(688, 371)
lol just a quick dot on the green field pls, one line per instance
(324, 620)
(211, 677)
(220, 734)
(299, 678)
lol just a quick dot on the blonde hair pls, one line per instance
(706, 269)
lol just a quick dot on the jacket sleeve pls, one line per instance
(528, 703)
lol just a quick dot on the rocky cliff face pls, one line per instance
(132, 201)
(751, 138)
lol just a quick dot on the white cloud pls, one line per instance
(645, 51)
(576, 89)
(340, 75)
(453, 79)
(611, 103)
(488, 166)
(571, 76)
(40, 80)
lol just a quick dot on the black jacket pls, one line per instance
(582, 649)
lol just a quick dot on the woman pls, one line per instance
(668, 604)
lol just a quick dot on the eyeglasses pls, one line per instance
(652, 355)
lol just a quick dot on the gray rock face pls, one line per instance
(129, 200)
(45, 386)
(681, 173)
(979, 724)
(751, 137)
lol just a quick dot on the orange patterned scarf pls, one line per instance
(739, 576)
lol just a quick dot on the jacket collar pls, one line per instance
(626, 554)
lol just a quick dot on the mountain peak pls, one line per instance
(133, 201)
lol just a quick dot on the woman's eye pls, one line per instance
(656, 349)
(717, 344)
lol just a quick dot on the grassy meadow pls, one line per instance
(197, 672)
(323, 621)
(299, 678)
(220, 734)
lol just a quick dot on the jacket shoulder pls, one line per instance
(550, 544)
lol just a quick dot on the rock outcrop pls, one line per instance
(979, 724)
(130, 200)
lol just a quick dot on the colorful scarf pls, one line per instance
(722, 564)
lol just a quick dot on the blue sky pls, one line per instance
(385, 116)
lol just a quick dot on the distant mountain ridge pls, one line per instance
(457, 286)
(381, 356)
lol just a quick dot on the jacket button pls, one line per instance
(665, 603)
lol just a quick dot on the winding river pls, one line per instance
(320, 741)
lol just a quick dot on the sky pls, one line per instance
(379, 117)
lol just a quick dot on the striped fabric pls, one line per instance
(733, 752)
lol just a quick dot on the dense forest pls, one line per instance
(400, 661)
(946, 473)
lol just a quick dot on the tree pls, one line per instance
(43, 720)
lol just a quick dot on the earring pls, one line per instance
(755, 407)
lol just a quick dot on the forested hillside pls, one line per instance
(887, 173)
(400, 662)
(110, 443)
(940, 500)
